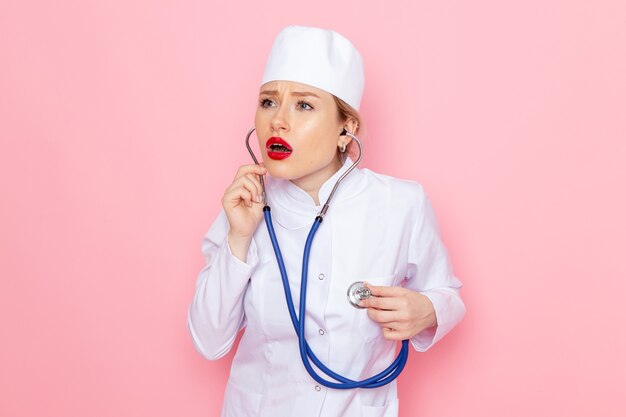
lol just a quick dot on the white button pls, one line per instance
(318, 388)
(320, 277)
(321, 332)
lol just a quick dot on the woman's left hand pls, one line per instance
(402, 313)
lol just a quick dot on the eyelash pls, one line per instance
(300, 102)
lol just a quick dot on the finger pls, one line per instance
(250, 169)
(394, 325)
(385, 291)
(249, 185)
(238, 196)
(255, 179)
(397, 327)
(384, 303)
(393, 334)
(385, 316)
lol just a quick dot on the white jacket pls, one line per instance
(378, 229)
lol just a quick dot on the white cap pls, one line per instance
(320, 58)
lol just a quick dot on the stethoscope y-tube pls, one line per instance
(306, 353)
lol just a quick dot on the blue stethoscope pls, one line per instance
(356, 292)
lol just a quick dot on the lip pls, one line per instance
(277, 155)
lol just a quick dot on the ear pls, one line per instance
(350, 125)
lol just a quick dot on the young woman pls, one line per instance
(378, 229)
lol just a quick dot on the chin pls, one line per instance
(279, 169)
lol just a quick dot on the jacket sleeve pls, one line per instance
(430, 273)
(216, 313)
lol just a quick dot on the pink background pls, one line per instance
(122, 122)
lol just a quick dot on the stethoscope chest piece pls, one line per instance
(357, 292)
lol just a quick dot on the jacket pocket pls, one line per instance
(388, 410)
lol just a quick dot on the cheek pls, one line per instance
(321, 135)
(318, 155)
(258, 132)
(258, 120)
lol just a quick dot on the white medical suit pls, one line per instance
(378, 229)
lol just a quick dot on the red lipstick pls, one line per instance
(277, 148)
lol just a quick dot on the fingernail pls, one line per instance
(258, 198)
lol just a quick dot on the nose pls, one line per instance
(280, 119)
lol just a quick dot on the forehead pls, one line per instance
(280, 87)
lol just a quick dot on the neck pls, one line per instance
(313, 182)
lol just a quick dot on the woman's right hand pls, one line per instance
(243, 205)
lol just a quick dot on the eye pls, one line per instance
(265, 102)
(304, 105)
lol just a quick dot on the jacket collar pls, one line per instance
(294, 208)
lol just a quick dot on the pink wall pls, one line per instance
(121, 122)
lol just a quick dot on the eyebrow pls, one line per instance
(295, 93)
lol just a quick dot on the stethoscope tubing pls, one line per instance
(306, 354)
